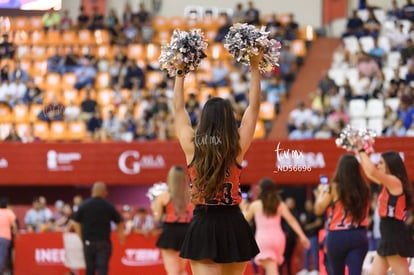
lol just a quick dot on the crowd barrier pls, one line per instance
(44, 254)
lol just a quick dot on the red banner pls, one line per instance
(287, 162)
(40, 254)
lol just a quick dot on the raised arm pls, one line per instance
(184, 131)
(248, 123)
(391, 182)
(323, 198)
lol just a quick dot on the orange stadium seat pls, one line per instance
(104, 51)
(41, 130)
(34, 111)
(160, 23)
(85, 37)
(70, 95)
(21, 37)
(138, 111)
(51, 96)
(284, 18)
(4, 130)
(69, 38)
(23, 129)
(121, 111)
(210, 35)
(223, 92)
(298, 48)
(102, 81)
(152, 52)
(260, 130)
(136, 51)
(76, 130)
(20, 113)
(104, 97)
(68, 80)
(38, 53)
(162, 36)
(37, 38)
(102, 37)
(58, 130)
(53, 38)
(20, 23)
(153, 79)
(307, 33)
(35, 23)
(267, 111)
(177, 22)
(5, 114)
(193, 23)
(53, 81)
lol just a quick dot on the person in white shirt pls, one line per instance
(72, 112)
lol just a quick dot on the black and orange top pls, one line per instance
(230, 194)
(392, 206)
(171, 215)
(340, 218)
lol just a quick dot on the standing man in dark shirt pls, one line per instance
(92, 223)
(7, 48)
(252, 15)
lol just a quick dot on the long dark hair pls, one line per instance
(217, 146)
(353, 192)
(269, 196)
(396, 167)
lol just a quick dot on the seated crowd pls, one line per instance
(99, 77)
(371, 80)
(40, 218)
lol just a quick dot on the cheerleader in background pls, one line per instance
(395, 198)
(174, 209)
(346, 200)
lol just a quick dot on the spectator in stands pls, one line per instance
(368, 67)
(274, 27)
(127, 14)
(395, 12)
(13, 135)
(17, 91)
(301, 132)
(70, 60)
(36, 216)
(54, 111)
(288, 66)
(396, 130)
(134, 74)
(407, 52)
(223, 29)
(77, 201)
(49, 226)
(63, 221)
(140, 133)
(66, 22)
(94, 125)
(19, 73)
(144, 222)
(97, 21)
(55, 62)
(389, 119)
(324, 132)
(398, 38)
(7, 48)
(252, 15)
(5, 73)
(58, 211)
(111, 126)
(72, 112)
(292, 28)
(338, 114)
(112, 19)
(51, 20)
(128, 219)
(4, 93)
(354, 26)
(319, 105)
(88, 106)
(239, 14)
(85, 75)
(8, 228)
(298, 116)
(220, 74)
(193, 108)
(325, 84)
(142, 17)
(408, 10)
(378, 53)
(83, 18)
(372, 26)
(275, 92)
(410, 131)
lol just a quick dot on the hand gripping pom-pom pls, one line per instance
(184, 52)
(243, 40)
(155, 190)
(348, 139)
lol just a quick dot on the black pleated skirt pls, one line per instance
(219, 233)
(172, 236)
(395, 239)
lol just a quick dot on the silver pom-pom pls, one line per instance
(156, 190)
(185, 51)
(244, 40)
(349, 137)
